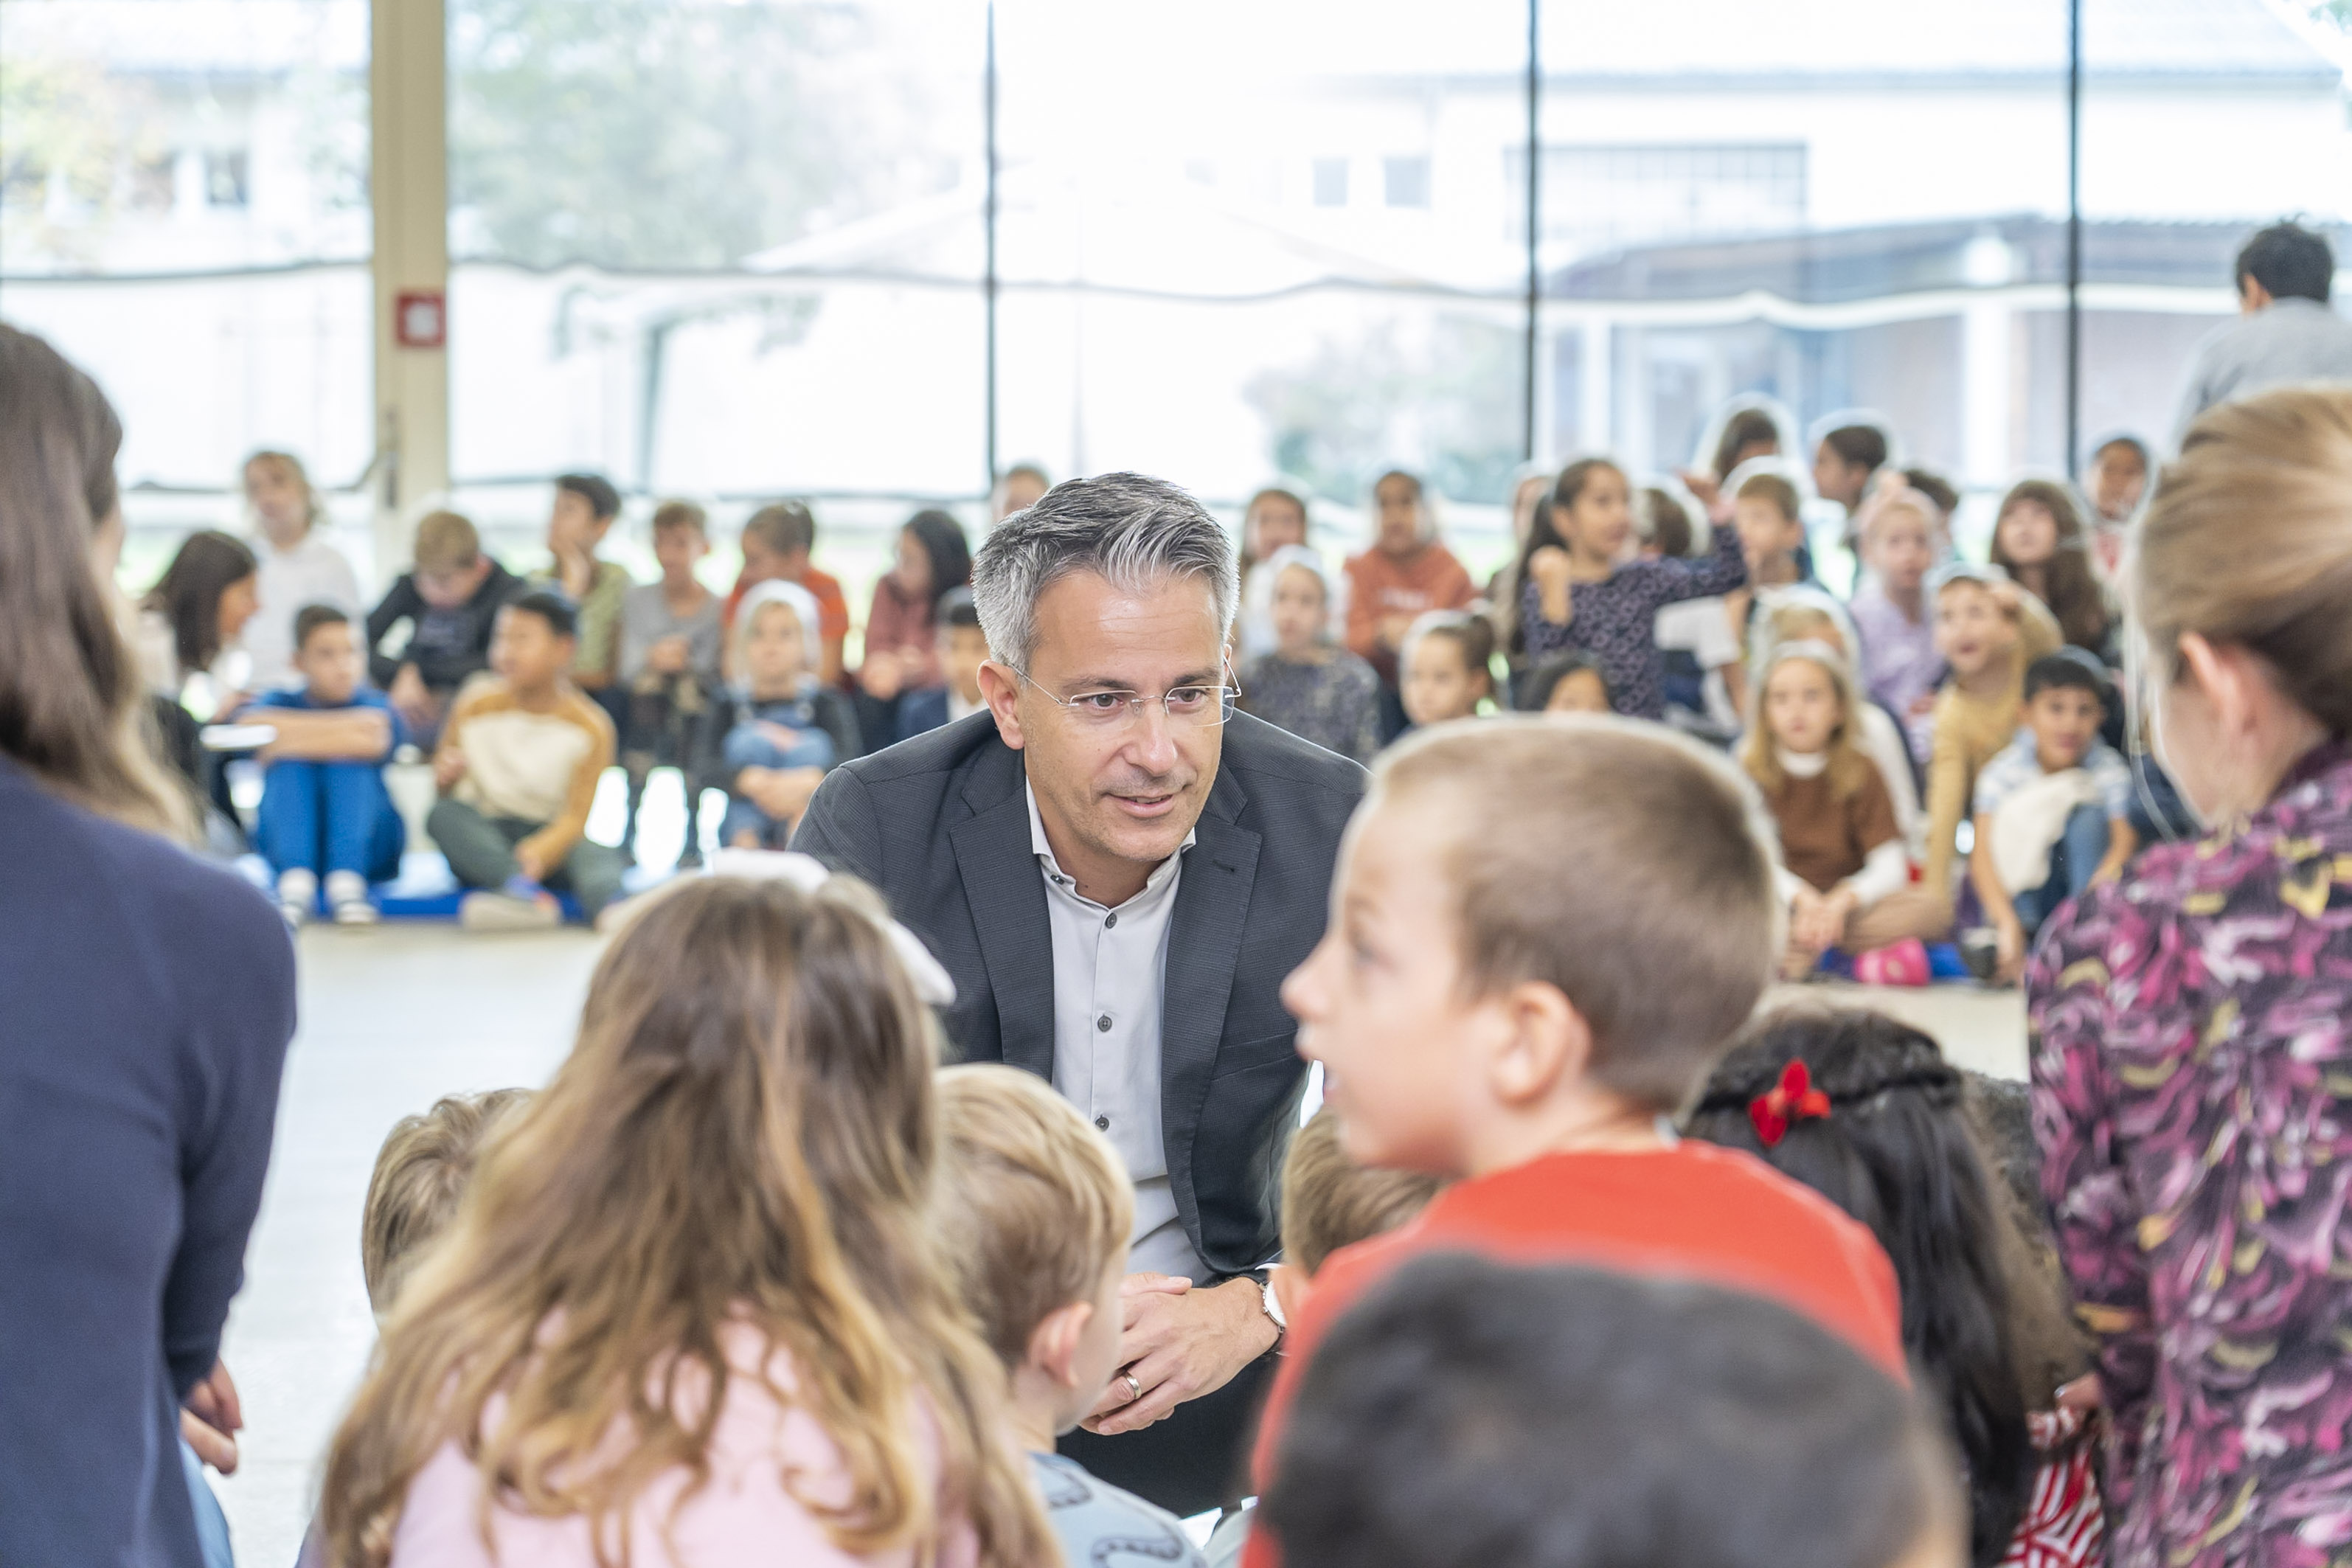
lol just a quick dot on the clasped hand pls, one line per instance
(1180, 1342)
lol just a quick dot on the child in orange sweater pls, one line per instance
(1482, 1018)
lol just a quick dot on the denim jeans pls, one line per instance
(2074, 861)
(328, 816)
(749, 746)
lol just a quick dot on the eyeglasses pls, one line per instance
(1192, 707)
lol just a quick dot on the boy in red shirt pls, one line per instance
(1544, 930)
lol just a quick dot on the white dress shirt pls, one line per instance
(1109, 969)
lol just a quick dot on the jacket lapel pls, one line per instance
(1007, 897)
(1204, 945)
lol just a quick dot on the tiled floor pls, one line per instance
(394, 1017)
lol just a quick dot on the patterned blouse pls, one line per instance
(1335, 704)
(1616, 620)
(2193, 1095)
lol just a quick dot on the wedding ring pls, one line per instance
(1134, 1389)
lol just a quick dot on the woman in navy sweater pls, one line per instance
(146, 1000)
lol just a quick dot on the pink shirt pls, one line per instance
(743, 1514)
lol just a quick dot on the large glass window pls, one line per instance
(184, 211)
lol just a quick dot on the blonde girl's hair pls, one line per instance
(423, 1169)
(2248, 541)
(73, 712)
(742, 1141)
(314, 511)
(1849, 769)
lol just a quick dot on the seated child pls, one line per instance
(1988, 630)
(1306, 683)
(1902, 533)
(1566, 682)
(582, 514)
(1482, 1018)
(784, 731)
(2053, 810)
(1034, 1208)
(669, 670)
(325, 812)
(1769, 514)
(1328, 1202)
(449, 601)
(1802, 613)
(690, 1310)
(421, 1172)
(1470, 1413)
(964, 648)
(1274, 522)
(777, 544)
(1846, 874)
(1865, 1110)
(518, 766)
(1448, 667)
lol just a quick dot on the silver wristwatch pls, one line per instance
(1272, 1305)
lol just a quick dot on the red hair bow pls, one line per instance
(1793, 1099)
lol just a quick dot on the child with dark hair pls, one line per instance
(195, 614)
(327, 823)
(1567, 682)
(2053, 810)
(582, 514)
(518, 765)
(1578, 589)
(1844, 461)
(964, 648)
(901, 655)
(1471, 1414)
(1482, 1018)
(1866, 1112)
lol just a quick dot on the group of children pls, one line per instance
(753, 1272)
(1845, 715)
(525, 689)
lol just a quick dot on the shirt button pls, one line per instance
(1109, 920)
(1103, 1022)
(1102, 1123)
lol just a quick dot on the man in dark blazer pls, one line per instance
(1119, 870)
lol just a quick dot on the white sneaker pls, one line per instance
(297, 895)
(347, 895)
(504, 911)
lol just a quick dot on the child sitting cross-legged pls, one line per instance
(785, 730)
(1866, 1112)
(518, 766)
(1035, 1209)
(1846, 874)
(691, 1311)
(1481, 1016)
(1469, 1413)
(325, 812)
(2053, 810)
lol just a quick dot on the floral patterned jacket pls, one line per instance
(2193, 1095)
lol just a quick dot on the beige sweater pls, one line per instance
(1969, 733)
(534, 765)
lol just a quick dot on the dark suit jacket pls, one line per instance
(940, 824)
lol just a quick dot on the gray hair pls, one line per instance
(1130, 530)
